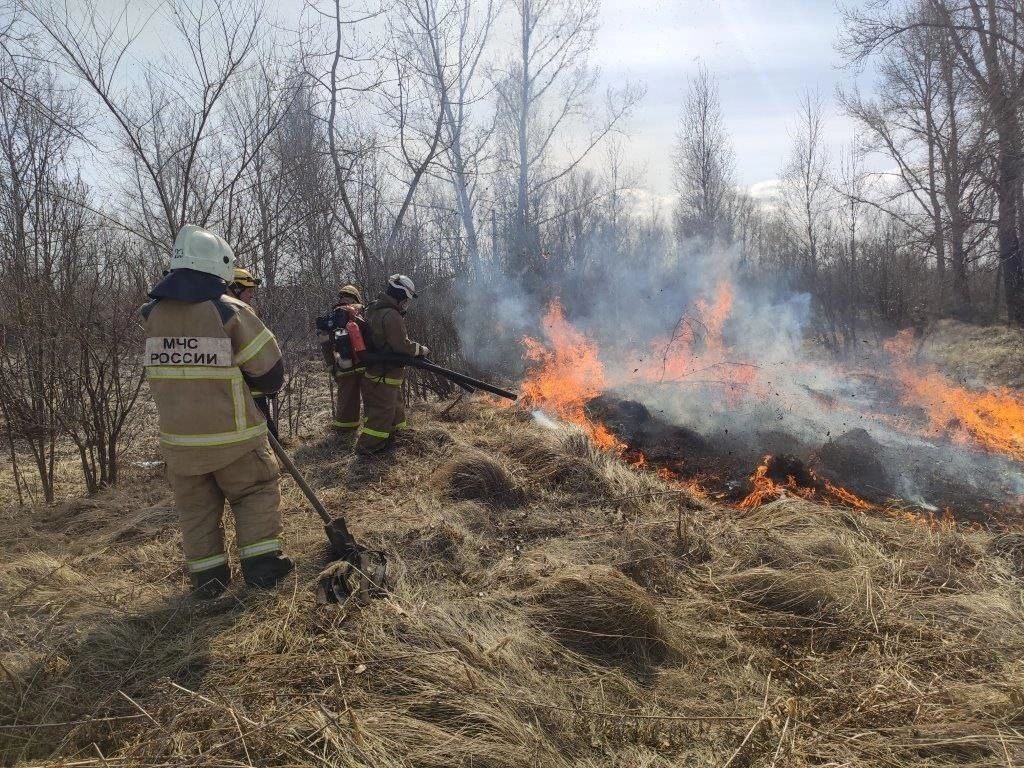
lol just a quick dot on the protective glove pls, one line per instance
(424, 350)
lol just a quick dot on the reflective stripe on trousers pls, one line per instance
(206, 563)
(264, 547)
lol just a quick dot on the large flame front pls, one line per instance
(567, 372)
(992, 419)
(696, 352)
(566, 375)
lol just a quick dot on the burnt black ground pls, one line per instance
(974, 487)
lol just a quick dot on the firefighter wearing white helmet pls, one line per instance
(204, 351)
(381, 387)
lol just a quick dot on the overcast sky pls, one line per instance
(763, 52)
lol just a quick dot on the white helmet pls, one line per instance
(404, 284)
(199, 249)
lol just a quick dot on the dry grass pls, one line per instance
(552, 607)
(475, 475)
(600, 613)
(988, 354)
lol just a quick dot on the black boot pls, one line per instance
(265, 571)
(211, 582)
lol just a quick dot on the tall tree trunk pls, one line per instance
(1009, 239)
(958, 264)
(938, 236)
(522, 200)
(465, 205)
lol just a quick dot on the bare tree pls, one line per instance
(703, 164)
(367, 85)
(544, 86)
(100, 333)
(922, 120)
(69, 367)
(418, 103)
(452, 38)
(169, 131)
(806, 191)
(39, 217)
(987, 40)
(851, 189)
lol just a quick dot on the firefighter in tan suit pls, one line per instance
(243, 287)
(204, 351)
(382, 384)
(346, 410)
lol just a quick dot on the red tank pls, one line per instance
(355, 338)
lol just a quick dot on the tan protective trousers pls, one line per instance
(250, 485)
(384, 411)
(346, 409)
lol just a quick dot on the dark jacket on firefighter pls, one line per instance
(382, 384)
(388, 334)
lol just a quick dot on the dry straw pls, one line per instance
(552, 608)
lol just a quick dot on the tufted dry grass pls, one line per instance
(551, 607)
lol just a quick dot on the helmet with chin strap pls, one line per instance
(402, 287)
(199, 249)
(351, 292)
(243, 281)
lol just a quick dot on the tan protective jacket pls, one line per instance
(201, 359)
(387, 327)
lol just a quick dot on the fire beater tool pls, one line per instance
(360, 572)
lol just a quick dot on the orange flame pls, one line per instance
(848, 498)
(993, 419)
(766, 489)
(696, 348)
(567, 374)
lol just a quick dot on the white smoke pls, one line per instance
(626, 301)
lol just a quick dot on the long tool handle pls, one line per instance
(461, 378)
(285, 459)
(454, 376)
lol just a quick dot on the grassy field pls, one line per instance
(991, 355)
(551, 607)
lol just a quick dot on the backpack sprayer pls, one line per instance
(349, 335)
(347, 330)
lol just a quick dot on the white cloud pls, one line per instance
(765, 191)
(647, 204)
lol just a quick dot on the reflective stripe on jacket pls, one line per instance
(201, 360)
